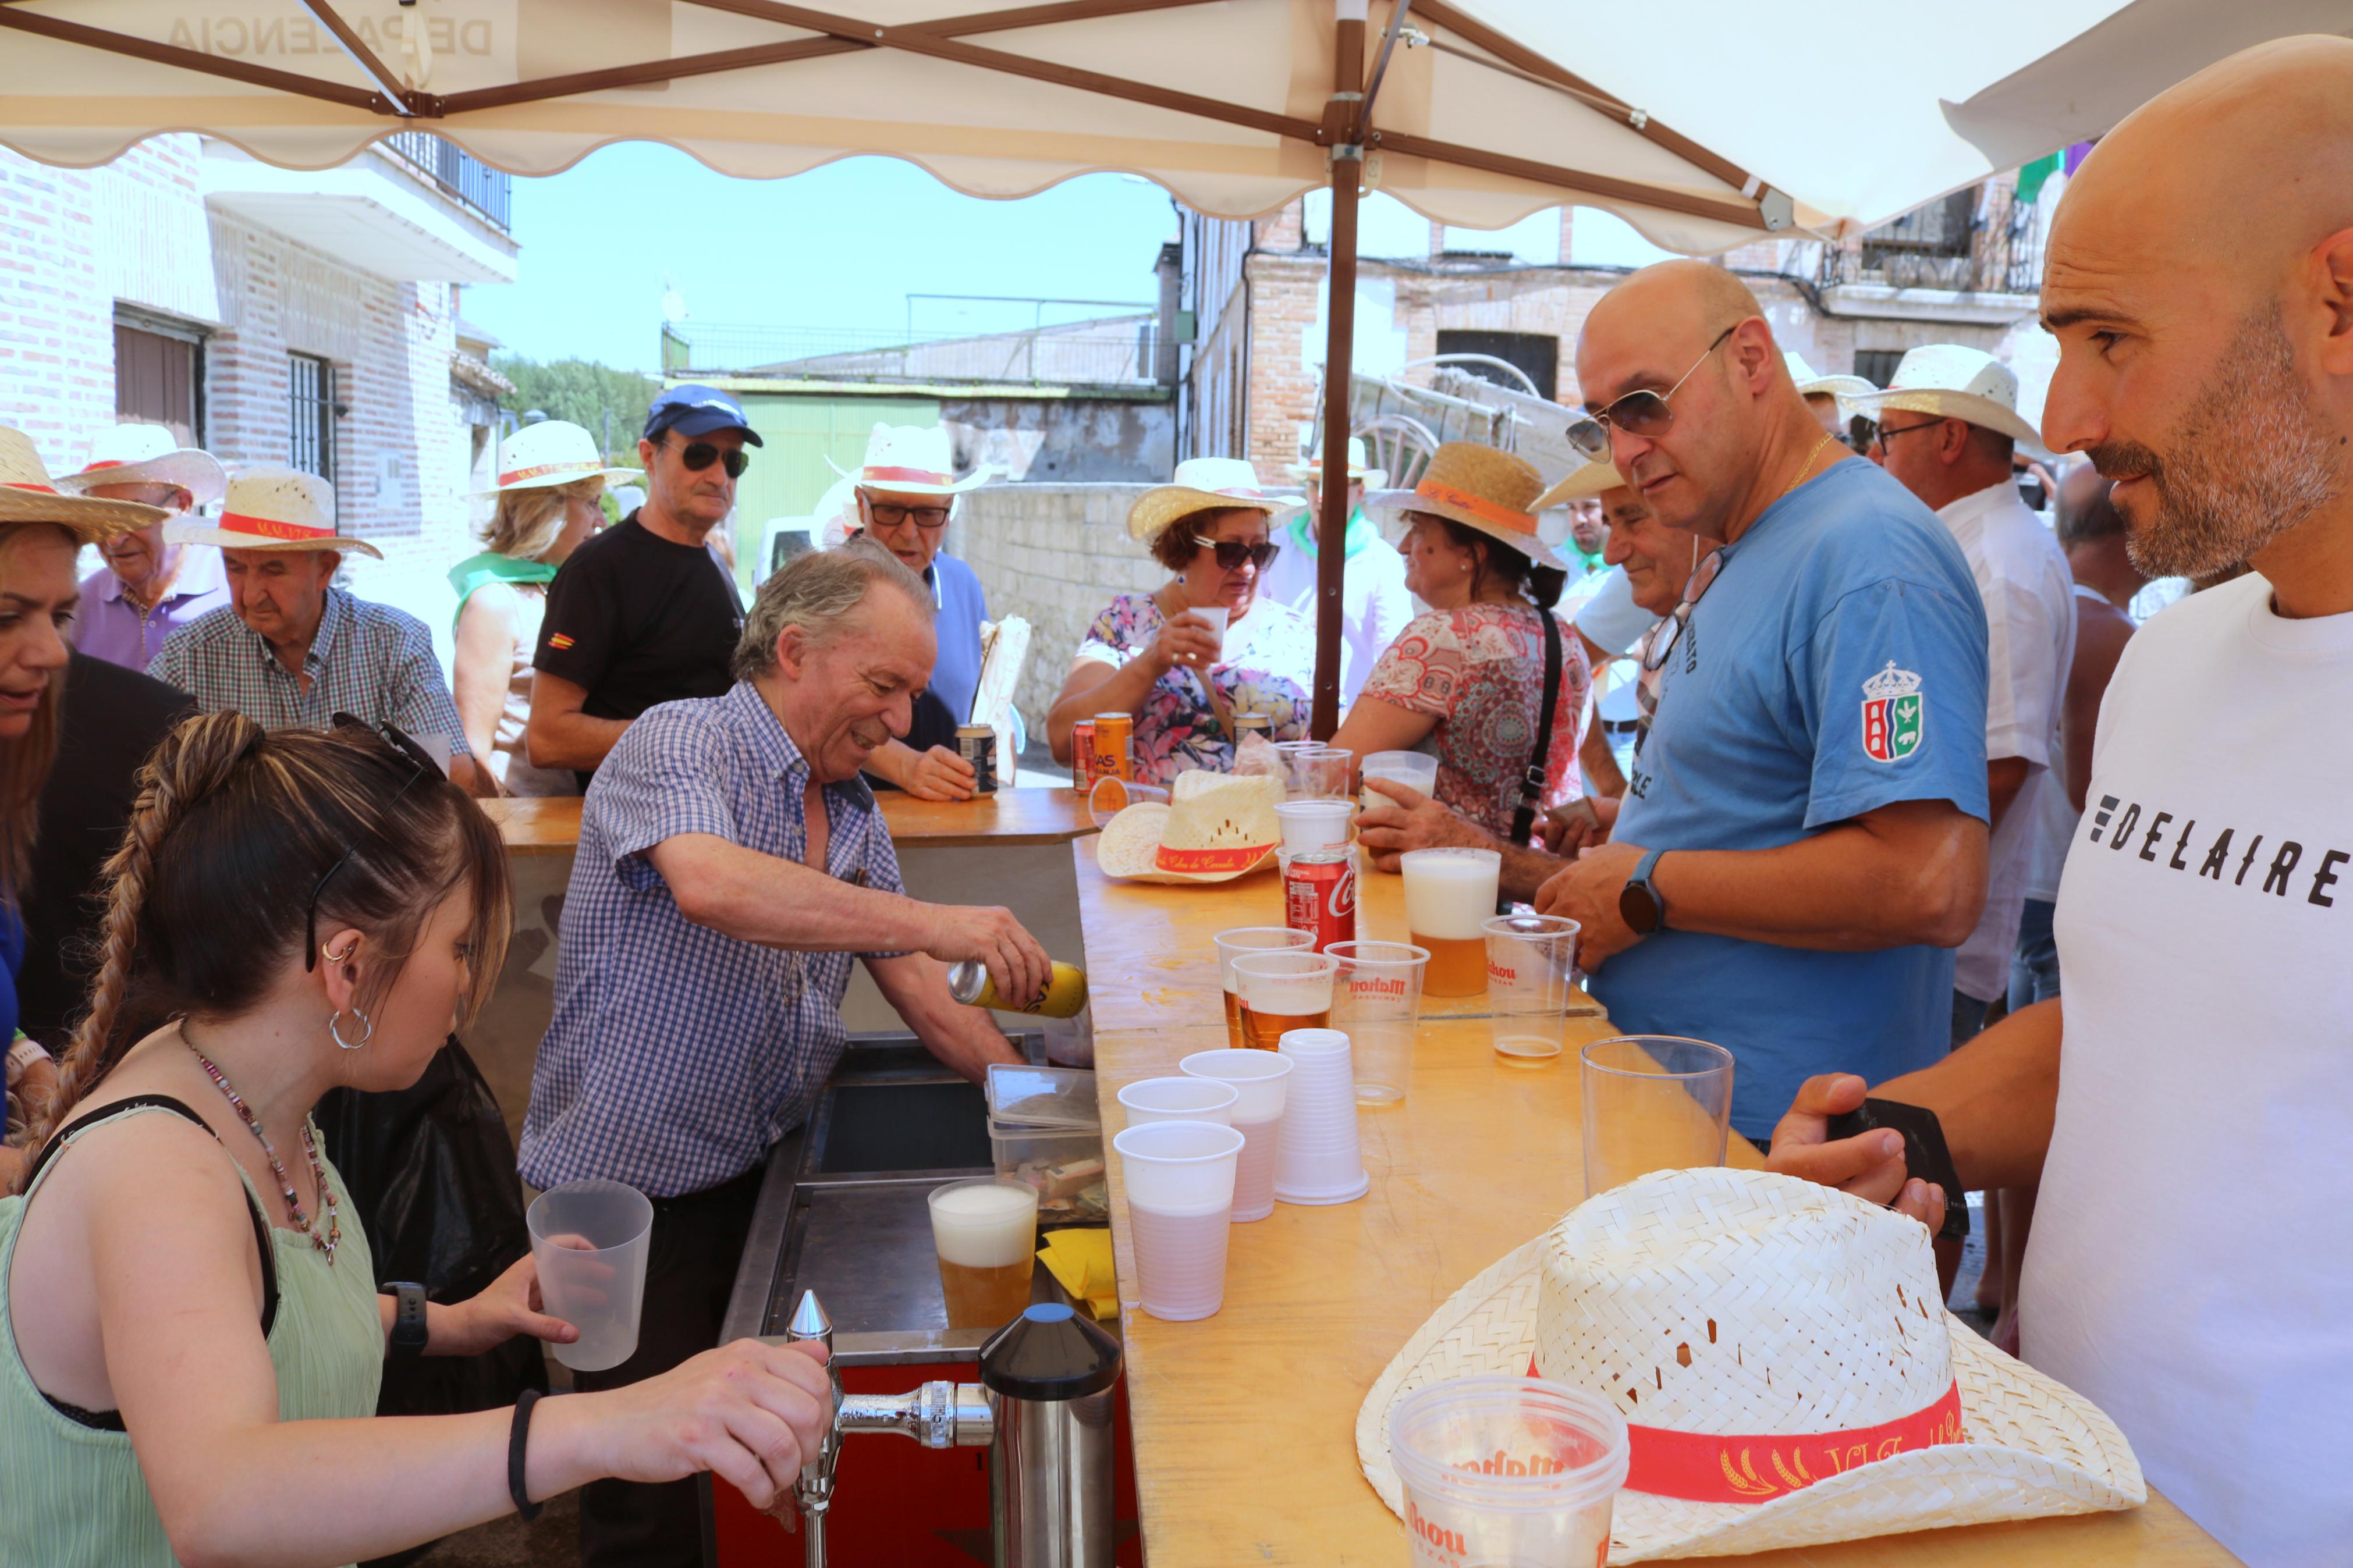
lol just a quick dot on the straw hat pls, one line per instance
(1482, 487)
(28, 494)
(552, 452)
(913, 459)
(1954, 383)
(273, 508)
(1202, 484)
(1785, 1363)
(1215, 827)
(1313, 466)
(147, 455)
(1588, 483)
(1842, 387)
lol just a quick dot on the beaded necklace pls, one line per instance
(325, 1244)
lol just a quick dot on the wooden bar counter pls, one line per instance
(1245, 1423)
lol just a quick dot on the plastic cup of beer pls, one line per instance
(588, 1241)
(1281, 992)
(1652, 1102)
(1507, 1470)
(1450, 896)
(1179, 1098)
(1531, 970)
(985, 1233)
(1110, 796)
(1414, 770)
(1312, 824)
(1320, 772)
(1231, 945)
(1259, 1079)
(1377, 1005)
(1179, 1178)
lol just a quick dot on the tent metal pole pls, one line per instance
(1344, 120)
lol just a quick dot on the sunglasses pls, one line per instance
(1233, 553)
(1701, 578)
(889, 514)
(700, 455)
(421, 766)
(1639, 413)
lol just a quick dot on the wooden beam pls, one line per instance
(376, 71)
(115, 43)
(1721, 209)
(1345, 120)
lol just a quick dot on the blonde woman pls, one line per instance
(550, 494)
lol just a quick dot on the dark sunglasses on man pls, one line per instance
(700, 455)
(421, 765)
(1233, 553)
(891, 514)
(1640, 413)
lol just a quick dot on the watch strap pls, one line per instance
(1641, 878)
(409, 1333)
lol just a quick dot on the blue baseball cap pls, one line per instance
(692, 409)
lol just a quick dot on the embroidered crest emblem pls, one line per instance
(1895, 714)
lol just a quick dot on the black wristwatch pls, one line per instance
(1639, 903)
(408, 1330)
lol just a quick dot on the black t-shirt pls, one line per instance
(634, 620)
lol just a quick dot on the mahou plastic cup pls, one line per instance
(1180, 1099)
(1259, 1079)
(589, 1240)
(1376, 1003)
(1110, 796)
(1317, 1159)
(1502, 1469)
(1531, 970)
(1232, 945)
(1179, 1179)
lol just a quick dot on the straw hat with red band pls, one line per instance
(1785, 1365)
(913, 459)
(1480, 488)
(272, 509)
(148, 455)
(1203, 484)
(28, 494)
(552, 452)
(1214, 828)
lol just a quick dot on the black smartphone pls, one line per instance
(2032, 492)
(1924, 1154)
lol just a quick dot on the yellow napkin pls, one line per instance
(1081, 1261)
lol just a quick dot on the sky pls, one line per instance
(838, 246)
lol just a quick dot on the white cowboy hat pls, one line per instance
(1842, 387)
(1214, 827)
(1203, 484)
(28, 494)
(1479, 487)
(552, 452)
(1954, 383)
(148, 455)
(1588, 483)
(913, 459)
(1315, 465)
(272, 509)
(1786, 1367)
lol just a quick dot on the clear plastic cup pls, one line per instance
(1259, 1079)
(1179, 1179)
(1652, 1102)
(1320, 772)
(1414, 770)
(588, 1240)
(1317, 1159)
(1376, 1003)
(1110, 796)
(985, 1237)
(1312, 824)
(1284, 991)
(1178, 1099)
(1450, 896)
(1507, 1470)
(1232, 945)
(1531, 971)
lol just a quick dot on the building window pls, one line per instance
(159, 380)
(310, 415)
(1877, 366)
(1535, 354)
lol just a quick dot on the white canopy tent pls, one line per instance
(1715, 123)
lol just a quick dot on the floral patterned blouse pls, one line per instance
(1481, 669)
(1269, 666)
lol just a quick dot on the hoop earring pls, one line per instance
(343, 957)
(335, 1029)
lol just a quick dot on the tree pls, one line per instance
(610, 404)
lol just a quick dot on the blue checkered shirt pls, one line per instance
(677, 1055)
(367, 659)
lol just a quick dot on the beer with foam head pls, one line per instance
(1449, 894)
(986, 1234)
(1241, 943)
(1282, 992)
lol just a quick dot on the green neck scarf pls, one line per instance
(493, 567)
(1360, 534)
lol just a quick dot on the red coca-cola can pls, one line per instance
(1319, 896)
(1082, 755)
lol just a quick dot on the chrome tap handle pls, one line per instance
(814, 1491)
(937, 1414)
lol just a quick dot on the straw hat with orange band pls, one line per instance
(552, 452)
(272, 509)
(1482, 489)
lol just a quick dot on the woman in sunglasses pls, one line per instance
(1188, 657)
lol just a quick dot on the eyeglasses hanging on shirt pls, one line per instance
(700, 455)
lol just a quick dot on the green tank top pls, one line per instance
(72, 1495)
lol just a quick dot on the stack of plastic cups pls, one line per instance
(1183, 1099)
(1317, 1159)
(1507, 1470)
(1259, 1079)
(1179, 1177)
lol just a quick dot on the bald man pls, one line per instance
(2192, 1253)
(1802, 840)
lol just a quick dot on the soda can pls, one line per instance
(977, 744)
(1319, 896)
(1113, 732)
(1257, 724)
(1065, 994)
(1082, 755)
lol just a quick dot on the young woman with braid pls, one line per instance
(190, 1333)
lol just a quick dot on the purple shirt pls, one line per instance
(112, 628)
